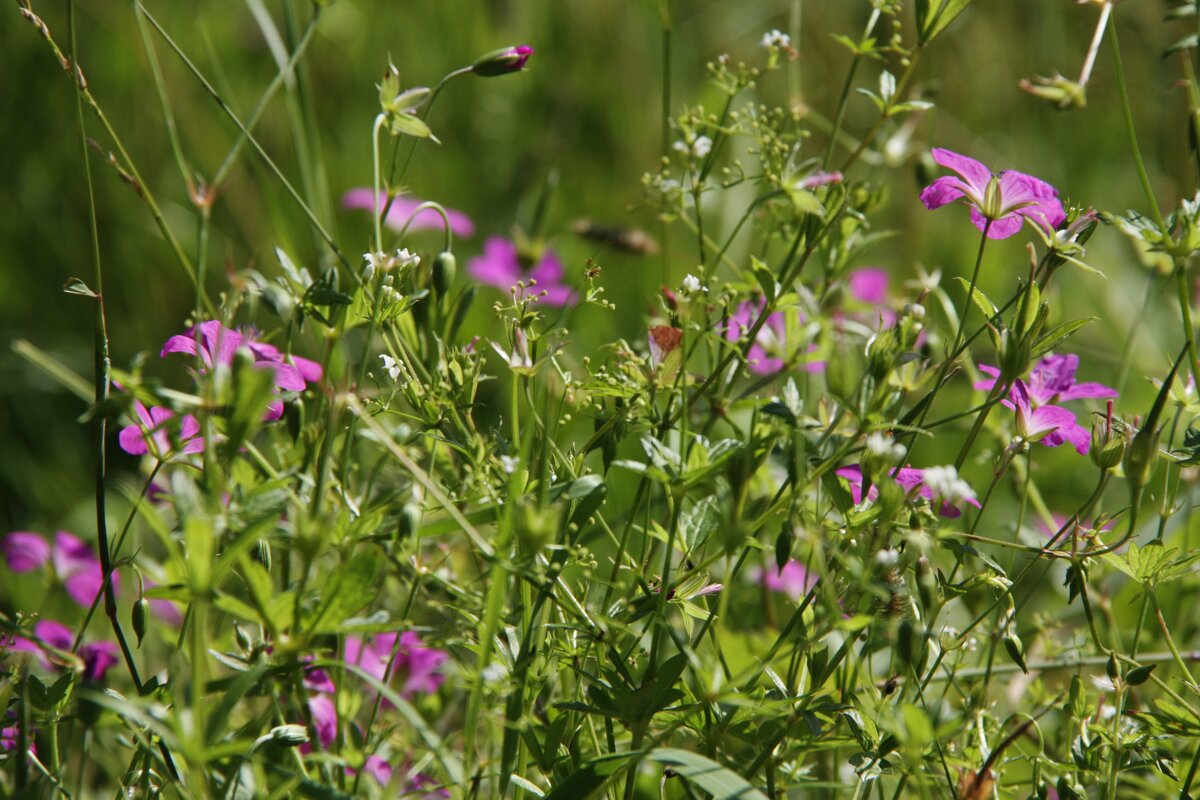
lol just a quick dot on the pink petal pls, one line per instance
(942, 191)
(54, 634)
(987, 386)
(24, 551)
(325, 719)
(1000, 228)
(403, 207)
(869, 285)
(378, 769)
(71, 554)
(309, 370)
(97, 657)
(85, 585)
(1084, 390)
(498, 266)
(975, 174)
(132, 440)
(1037, 199)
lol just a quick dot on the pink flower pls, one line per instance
(402, 210)
(950, 491)
(765, 355)
(98, 657)
(1051, 381)
(1004, 199)
(217, 345)
(1050, 425)
(419, 667)
(793, 580)
(500, 266)
(24, 551)
(74, 562)
(869, 285)
(153, 433)
(325, 719)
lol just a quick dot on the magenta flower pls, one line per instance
(1050, 425)
(1004, 199)
(216, 346)
(419, 667)
(404, 208)
(935, 483)
(152, 433)
(74, 562)
(24, 551)
(97, 657)
(869, 285)
(1052, 380)
(325, 719)
(793, 580)
(765, 355)
(500, 266)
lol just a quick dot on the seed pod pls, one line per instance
(139, 615)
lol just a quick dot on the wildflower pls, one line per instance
(500, 266)
(869, 285)
(934, 483)
(1050, 425)
(217, 345)
(405, 259)
(151, 433)
(509, 464)
(1052, 380)
(502, 61)
(324, 717)
(391, 366)
(885, 447)
(404, 212)
(419, 667)
(819, 178)
(697, 148)
(1001, 199)
(692, 285)
(776, 39)
(54, 637)
(792, 579)
(74, 562)
(763, 357)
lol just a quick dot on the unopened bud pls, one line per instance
(444, 269)
(502, 61)
(1108, 447)
(140, 614)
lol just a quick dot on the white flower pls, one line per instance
(887, 558)
(945, 483)
(776, 38)
(494, 672)
(1103, 683)
(407, 259)
(697, 148)
(375, 261)
(692, 285)
(884, 446)
(389, 363)
(509, 464)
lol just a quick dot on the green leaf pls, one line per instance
(721, 783)
(349, 588)
(1057, 335)
(406, 124)
(78, 287)
(981, 300)
(931, 23)
(589, 779)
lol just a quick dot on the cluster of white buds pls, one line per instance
(945, 483)
(386, 262)
(776, 40)
(697, 147)
(885, 447)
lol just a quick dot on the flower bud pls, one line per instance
(502, 61)
(1108, 447)
(140, 613)
(444, 269)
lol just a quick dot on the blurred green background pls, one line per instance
(588, 108)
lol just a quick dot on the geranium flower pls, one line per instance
(97, 657)
(1003, 199)
(418, 667)
(74, 562)
(1051, 380)
(404, 208)
(217, 345)
(151, 433)
(1050, 425)
(763, 357)
(793, 579)
(934, 483)
(500, 266)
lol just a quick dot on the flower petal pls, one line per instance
(974, 173)
(1000, 228)
(1032, 197)
(498, 265)
(869, 285)
(942, 191)
(25, 551)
